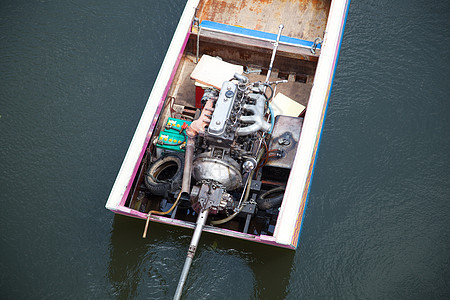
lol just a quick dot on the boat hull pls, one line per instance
(291, 216)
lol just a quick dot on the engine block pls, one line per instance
(220, 131)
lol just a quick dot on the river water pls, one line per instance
(74, 79)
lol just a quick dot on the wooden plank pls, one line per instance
(244, 55)
(251, 43)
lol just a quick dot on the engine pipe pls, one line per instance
(241, 78)
(271, 198)
(196, 127)
(187, 171)
(272, 118)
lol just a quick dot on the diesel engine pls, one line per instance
(224, 144)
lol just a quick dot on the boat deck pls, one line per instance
(301, 18)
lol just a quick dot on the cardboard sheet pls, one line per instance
(283, 105)
(212, 71)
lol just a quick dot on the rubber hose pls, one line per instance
(272, 118)
(266, 203)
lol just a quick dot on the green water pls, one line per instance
(74, 79)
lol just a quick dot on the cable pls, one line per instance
(247, 193)
(272, 118)
(177, 144)
(169, 103)
(271, 94)
(181, 131)
(156, 212)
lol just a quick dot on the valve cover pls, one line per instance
(217, 133)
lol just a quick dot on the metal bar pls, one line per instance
(247, 223)
(201, 220)
(198, 43)
(275, 47)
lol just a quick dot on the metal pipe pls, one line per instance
(198, 43)
(201, 220)
(241, 78)
(188, 157)
(275, 46)
(174, 206)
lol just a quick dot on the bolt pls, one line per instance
(283, 141)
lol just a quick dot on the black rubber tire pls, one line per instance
(159, 182)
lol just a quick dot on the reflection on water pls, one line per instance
(223, 267)
(139, 265)
(270, 266)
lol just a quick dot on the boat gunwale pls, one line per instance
(162, 82)
(314, 118)
(260, 239)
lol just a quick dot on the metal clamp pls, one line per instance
(318, 41)
(199, 29)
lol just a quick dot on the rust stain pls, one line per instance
(302, 18)
(243, 4)
(316, 3)
(259, 26)
(278, 15)
(263, 1)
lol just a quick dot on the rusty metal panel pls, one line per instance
(304, 19)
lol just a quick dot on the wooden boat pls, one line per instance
(228, 139)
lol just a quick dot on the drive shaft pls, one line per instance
(201, 220)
